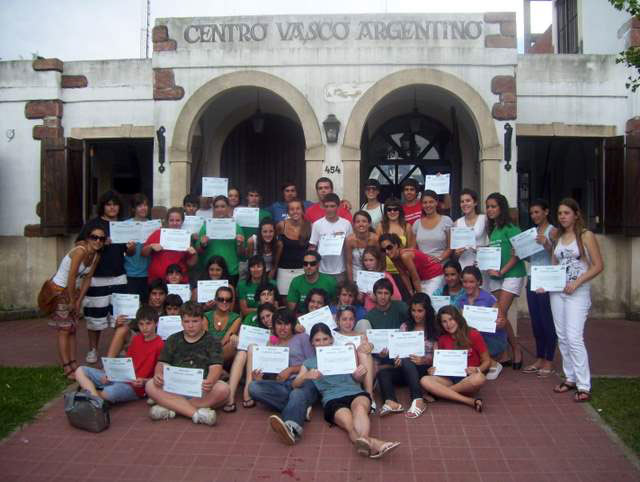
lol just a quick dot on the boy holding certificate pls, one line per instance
(192, 348)
(144, 350)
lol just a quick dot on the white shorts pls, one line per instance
(510, 285)
(284, 278)
(431, 285)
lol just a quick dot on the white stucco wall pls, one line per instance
(599, 23)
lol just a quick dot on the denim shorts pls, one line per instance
(114, 392)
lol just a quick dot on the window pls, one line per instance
(567, 15)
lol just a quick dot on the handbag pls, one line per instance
(86, 411)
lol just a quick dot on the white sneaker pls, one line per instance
(92, 356)
(493, 372)
(206, 416)
(282, 429)
(150, 401)
(308, 415)
(158, 412)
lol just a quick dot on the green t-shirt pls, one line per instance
(248, 232)
(203, 353)
(397, 314)
(247, 291)
(226, 248)
(220, 334)
(500, 237)
(252, 320)
(300, 287)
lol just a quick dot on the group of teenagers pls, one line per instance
(276, 273)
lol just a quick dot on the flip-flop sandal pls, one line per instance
(544, 373)
(415, 411)
(230, 408)
(582, 396)
(564, 387)
(531, 369)
(385, 449)
(387, 409)
(363, 447)
(248, 403)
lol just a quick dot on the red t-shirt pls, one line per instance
(426, 266)
(316, 211)
(145, 356)
(412, 213)
(478, 346)
(160, 260)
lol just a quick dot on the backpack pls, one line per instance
(86, 412)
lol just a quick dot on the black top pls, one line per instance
(292, 253)
(112, 256)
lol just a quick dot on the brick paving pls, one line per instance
(525, 433)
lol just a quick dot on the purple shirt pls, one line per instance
(300, 349)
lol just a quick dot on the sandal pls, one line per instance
(68, 371)
(363, 447)
(564, 387)
(478, 405)
(545, 373)
(387, 409)
(414, 410)
(385, 449)
(531, 369)
(248, 403)
(582, 396)
(229, 408)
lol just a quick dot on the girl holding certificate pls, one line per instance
(471, 219)
(452, 282)
(409, 371)
(393, 222)
(293, 241)
(374, 260)
(432, 231)
(577, 250)
(263, 243)
(458, 336)
(224, 323)
(357, 242)
(505, 283)
(247, 287)
(216, 269)
(542, 325)
(345, 403)
(137, 265)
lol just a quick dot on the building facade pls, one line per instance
(253, 98)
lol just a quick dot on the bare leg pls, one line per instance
(367, 360)
(216, 397)
(118, 341)
(235, 374)
(94, 339)
(63, 346)
(85, 383)
(505, 299)
(72, 348)
(444, 388)
(228, 353)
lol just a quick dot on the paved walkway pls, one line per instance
(525, 433)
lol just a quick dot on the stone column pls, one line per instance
(180, 173)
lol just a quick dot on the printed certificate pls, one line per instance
(125, 304)
(215, 186)
(488, 257)
(437, 183)
(379, 339)
(331, 245)
(525, 243)
(207, 289)
(183, 290)
(549, 278)
(462, 237)
(175, 239)
(481, 318)
(121, 232)
(321, 315)
(183, 381)
(149, 227)
(270, 359)
(340, 339)
(168, 325)
(193, 224)
(247, 217)
(336, 360)
(366, 280)
(119, 369)
(221, 228)
(439, 301)
(450, 363)
(252, 335)
(403, 344)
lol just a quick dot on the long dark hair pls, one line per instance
(503, 218)
(455, 265)
(220, 261)
(385, 219)
(254, 260)
(320, 327)
(260, 243)
(431, 332)
(473, 195)
(266, 307)
(315, 291)
(105, 198)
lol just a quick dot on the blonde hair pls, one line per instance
(579, 227)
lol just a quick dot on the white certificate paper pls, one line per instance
(439, 301)
(252, 335)
(450, 363)
(403, 344)
(149, 227)
(331, 245)
(121, 232)
(270, 359)
(207, 289)
(125, 304)
(175, 239)
(340, 339)
(379, 339)
(119, 369)
(463, 237)
(481, 318)
(336, 360)
(193, 224)
(182, 290)
(183, 381)
(525, 243)
(366, 280)
(321, 315)
(221, 228)
(247, 217)
(168, 325)
(549, 278)
(438, 184)
(215, 186)
(488, 257)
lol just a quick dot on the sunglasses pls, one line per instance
(309, 263)
(392, 209)
(220, 299)
(371, 188)
(94, 237)
(388, 247)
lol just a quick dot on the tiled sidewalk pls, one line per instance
(525, 433)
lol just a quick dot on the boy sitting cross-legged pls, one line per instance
(191, 348)
(144, 350)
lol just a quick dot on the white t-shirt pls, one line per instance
(468, 258)
(322, 227)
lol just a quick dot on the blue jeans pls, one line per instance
(292, 403)
(114, 392)
(544, 330)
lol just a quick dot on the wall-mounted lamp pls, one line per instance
(160, 134)
(508, 133)
(331, 128)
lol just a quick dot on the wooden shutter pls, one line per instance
(632, 186)
(614, 189)
(61, 186)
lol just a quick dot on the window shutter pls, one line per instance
(614, 185)
(61, 186)
(632, 186)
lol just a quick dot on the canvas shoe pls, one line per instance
(92, 356)
(307, 417)
(158, 412)
(205, 416)
(282, 429)
(150, 401)
(493, 372)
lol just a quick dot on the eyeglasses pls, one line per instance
(220, 299)
(309, 263)
(392, 209)
(388, 247)
(94, 237)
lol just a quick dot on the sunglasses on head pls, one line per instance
(220, 299)
(309, 263)
(95, 237)
(392, 209)
(388, 247)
